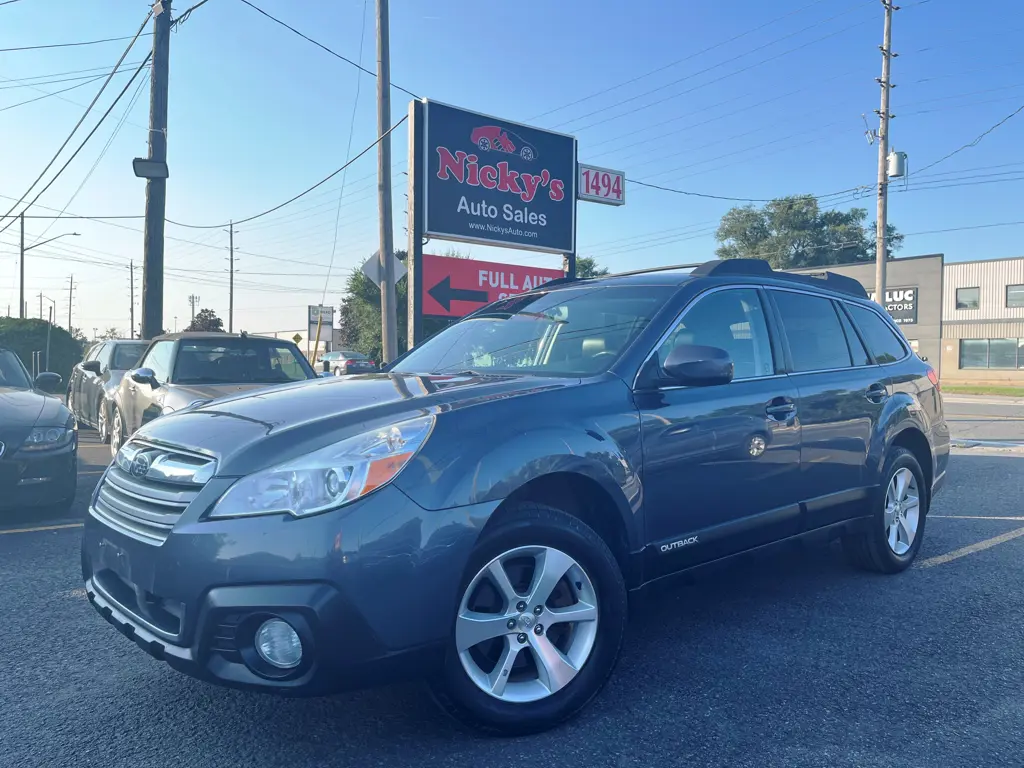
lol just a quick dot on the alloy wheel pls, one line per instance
(101, 422)
(116, 432)
(902, 511)
(527, 624)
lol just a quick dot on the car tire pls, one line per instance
(895, 527)
(117, 431)
(526, 702)
(103, 420)
(337, 371)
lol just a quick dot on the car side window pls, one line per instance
(860, 355)
(815, 334)
(881, 339)
(95, 351)
(733, 320)
(104, 355)
(158, 359)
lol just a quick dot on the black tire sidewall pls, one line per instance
(899, 459)
(461, 697)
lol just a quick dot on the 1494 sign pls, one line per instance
(601, 185)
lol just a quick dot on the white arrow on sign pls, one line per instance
(371, 268)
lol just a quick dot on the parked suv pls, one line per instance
(481, 511)
(95, 380)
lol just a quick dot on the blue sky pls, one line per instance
(739, 98)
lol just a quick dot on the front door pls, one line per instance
(841, 397)
(721, 463)
(145, 400)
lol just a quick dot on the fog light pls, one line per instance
(278, 644)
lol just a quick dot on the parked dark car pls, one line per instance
(480, 512)
(180, 369)
(38, 439)
(95, 380)
(344, 362)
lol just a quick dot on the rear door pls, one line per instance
(92, 384)
(841, 397)
(80, 379)
(721, 463)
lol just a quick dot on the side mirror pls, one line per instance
(693, 365)
(145, 376)
(49, 382)
(92, 366)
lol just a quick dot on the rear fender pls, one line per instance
(902, 412)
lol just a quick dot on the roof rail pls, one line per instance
(760, 268)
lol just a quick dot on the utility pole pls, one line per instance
(71, 295)
(40, 306)
(21, 266)
(193, 300)
(883, 156)
(231, 277)
(156, 188)
(131, 310)
(388, 308)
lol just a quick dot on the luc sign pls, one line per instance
(901, 304)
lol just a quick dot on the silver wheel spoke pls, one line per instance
(901, 485)
(574, 613)
(890, 516)
(472, 628)
(554, 670)
(912, 504)
(498, 678)
(892, 532)
(500, 580)
(551, 567)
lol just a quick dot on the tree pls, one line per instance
(206, 320)
(111, 333)
(24, 337)
(78, 335)
(793, 232)
(586, 266)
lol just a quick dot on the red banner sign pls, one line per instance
(455, 287)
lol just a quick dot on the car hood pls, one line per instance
(254, 430)
(191, 392)
(23, 409)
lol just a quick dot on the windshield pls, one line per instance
(239, 361)
(126, 356)
(569, 332)
(12, 372)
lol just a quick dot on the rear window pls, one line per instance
(239, 361)
(126, 356)
(816, 338)
(354, 356)
(881, 338)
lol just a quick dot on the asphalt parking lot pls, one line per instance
(793, 659)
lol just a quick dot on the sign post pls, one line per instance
(414, 252)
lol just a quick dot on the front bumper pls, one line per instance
(33, 480)
(371, 590)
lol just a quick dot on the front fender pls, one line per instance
(464, 476)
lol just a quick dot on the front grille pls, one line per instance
(148, 488)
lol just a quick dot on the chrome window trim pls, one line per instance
(679, 318)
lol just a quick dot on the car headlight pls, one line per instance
(330, 477)
(47, 438)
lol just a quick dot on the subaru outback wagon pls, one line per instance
(482, 510)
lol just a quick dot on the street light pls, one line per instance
(21, 261)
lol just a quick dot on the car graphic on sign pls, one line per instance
(493, 137)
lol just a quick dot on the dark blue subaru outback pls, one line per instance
(481, 511)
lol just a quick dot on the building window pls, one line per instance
(1005, 354)
(1014, 296)
(968, 298)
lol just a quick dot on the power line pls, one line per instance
(82, 120)
(348, 154)
(48, 95)
(93, 70)
(662, 68)
(71, 45)
(976, 141)
(301, 194)
(716, 66)
(334, 53)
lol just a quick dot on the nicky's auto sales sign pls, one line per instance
(496, 182)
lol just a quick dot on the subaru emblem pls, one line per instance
(140, 465)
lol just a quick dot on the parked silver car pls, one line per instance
(95, 380)
(181, 369)
(347, 361)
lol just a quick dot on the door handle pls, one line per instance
(877, 393)
(781, 409)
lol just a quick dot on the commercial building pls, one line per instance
(965, 318)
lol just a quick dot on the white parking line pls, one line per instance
(40, 528)
(971, 549)
(974, 517)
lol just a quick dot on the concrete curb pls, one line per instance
(1006, 445)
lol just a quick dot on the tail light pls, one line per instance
(372, 363)
(933, 377)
